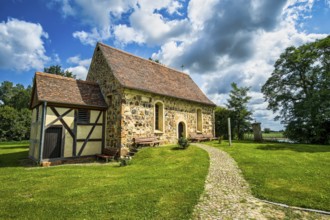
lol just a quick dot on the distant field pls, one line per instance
(275, 135)
(161, 183)
(294, 174)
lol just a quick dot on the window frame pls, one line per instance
(199, 120)
(159, 117)
(83, 116)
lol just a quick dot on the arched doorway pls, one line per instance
(181, 130)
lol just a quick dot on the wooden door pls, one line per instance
(53, 142)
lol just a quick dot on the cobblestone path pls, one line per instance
(227, 195)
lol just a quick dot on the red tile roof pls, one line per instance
(137, 73)
(62, 90)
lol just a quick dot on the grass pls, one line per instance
(161, 183)
(273, 135)
(294, 174)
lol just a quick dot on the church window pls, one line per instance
(159, 118)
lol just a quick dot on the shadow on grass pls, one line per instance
(15, 159)
(15, 147)
(177, 148)
(296, 148)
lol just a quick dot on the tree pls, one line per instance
(57, 70)
(15, 117)
(156, 60)
(16, 96)
(299, 90)
(237, 102)
(15, 124)
(267, 130)
(221, 121)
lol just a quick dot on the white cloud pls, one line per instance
(146, 23)
(126, 35)
(201, 11)
(94, 13)
(81, 66)
(79, 71)
(97, 15)
(21, 45)
(67, 9)
(174, 7)
(158, 30)
(56, 58)
(166, 52)
(90, 38)
(219, 41)
(243, 48)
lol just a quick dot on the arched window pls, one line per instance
(199, 120)
(159, 116)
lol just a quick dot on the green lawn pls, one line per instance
(161, 183)
(273, 135)
(294, 174)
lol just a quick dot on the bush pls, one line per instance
(267, 130)
(183, 142)
(127, 160)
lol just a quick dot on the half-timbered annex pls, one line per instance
(68, 118)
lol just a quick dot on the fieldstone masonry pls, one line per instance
(138, 116)
(112, 91)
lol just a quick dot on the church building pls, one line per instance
(123, 97)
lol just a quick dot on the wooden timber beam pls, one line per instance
(89, 134)
(66, 126)
(58, 118)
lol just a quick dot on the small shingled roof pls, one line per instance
(62, 90)
(137, 73)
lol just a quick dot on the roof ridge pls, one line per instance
(133, 55)
(65, 78)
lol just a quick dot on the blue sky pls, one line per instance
(218, 42)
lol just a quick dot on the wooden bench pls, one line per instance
(140, 141)
(108, 154)
(210, 137)
(197, 137)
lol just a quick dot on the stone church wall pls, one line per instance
(138, 117)
(112, 91)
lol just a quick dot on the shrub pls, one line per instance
(127, 160)
(183, 142)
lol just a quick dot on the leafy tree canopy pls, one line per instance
(57, 70)
(221, 121)
(156, 60)
(237, 102)
(15, 96)
(15, 117)
(299, 90)
(15, 124)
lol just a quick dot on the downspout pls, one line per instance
(103, 128)
(213, 122)
(42, 132)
